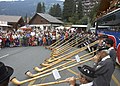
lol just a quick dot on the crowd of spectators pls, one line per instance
(35, 37)
(32, 38)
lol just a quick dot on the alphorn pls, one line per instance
(53, 83)
(66, 50)
(57, 42)
(57, 50)
(66, 56)
(28, 73)
(54, 59)
(53, 52)
(71, 44)
(63, 50)
(14, 80)
(72, 38)
(48, 63)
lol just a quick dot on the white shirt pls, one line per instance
(111, 48)
(105, 58)
(87, 84)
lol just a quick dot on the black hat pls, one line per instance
(104, 49)
(87, 71)
(103, 36)
(5, 72)
(109, 41)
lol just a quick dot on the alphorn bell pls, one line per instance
(17, 82)
(28, 73)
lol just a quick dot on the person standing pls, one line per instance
(112, 52)
(104, 68)
(5, 73)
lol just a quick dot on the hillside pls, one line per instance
(21, 8)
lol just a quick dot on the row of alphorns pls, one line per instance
(58, 48)
(64, 50)
(51, 62)
(48, 67)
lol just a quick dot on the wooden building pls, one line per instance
(11, 22)
(44, 21)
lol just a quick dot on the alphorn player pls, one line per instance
(104, 68)
(112, 52)
(86, 76)
(5, 73)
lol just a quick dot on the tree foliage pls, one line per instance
(40, 8)
(55, 10)
(68, 9)
(93, 13)
(73, 11)
(84, 20)
(80, 9)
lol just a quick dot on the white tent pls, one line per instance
(61, 27)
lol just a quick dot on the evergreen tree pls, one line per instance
(43, 8)
(68, 9)
(55, 10)
(93, 12)
(52, 10)
(58, 11)
(80, 9)
(40, 8)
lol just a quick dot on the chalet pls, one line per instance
(10, 22)
(44, 21)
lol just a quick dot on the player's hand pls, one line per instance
(96, 58)
(71, 81)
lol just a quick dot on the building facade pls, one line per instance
(43, 21)
(88, 5)
(10, 22)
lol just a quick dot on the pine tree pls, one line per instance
(68, 9)
(43, 8)
(80, 9)
(58, 11)
(55, 10)
(40, 8)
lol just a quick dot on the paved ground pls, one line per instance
(23, 59)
